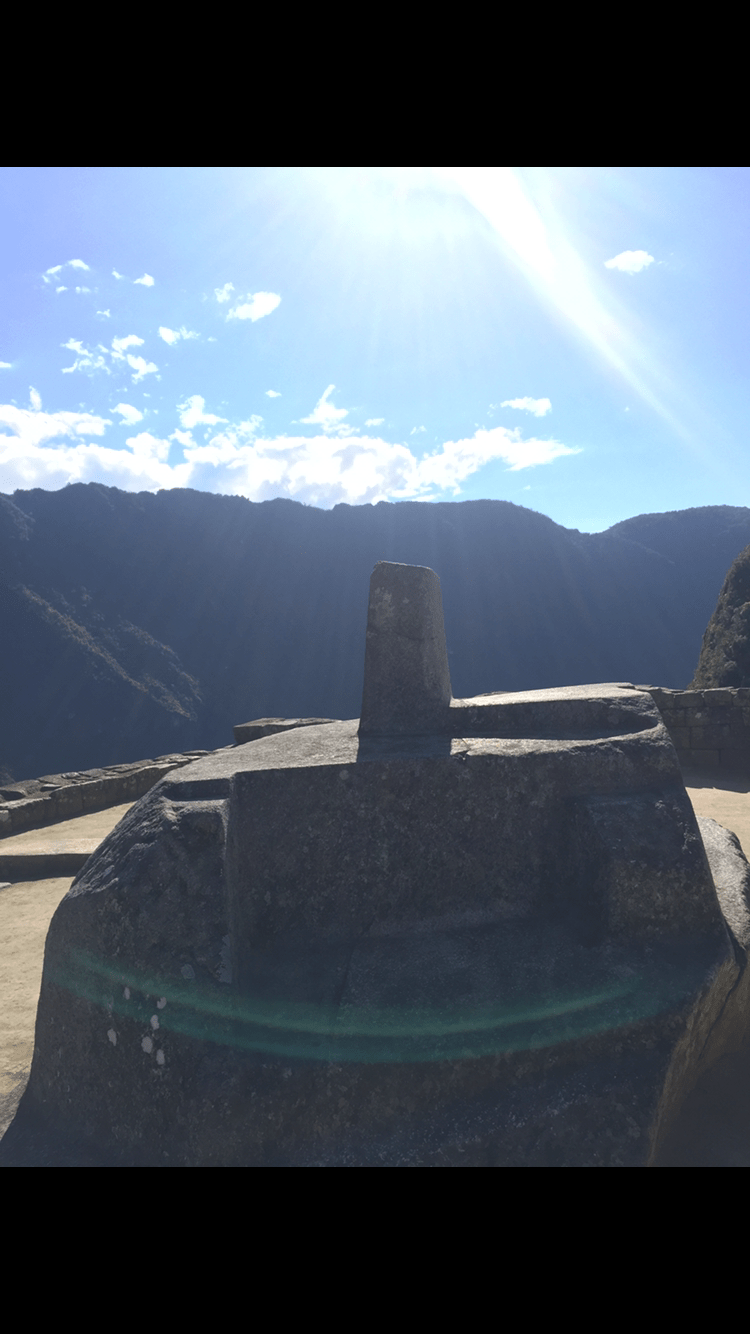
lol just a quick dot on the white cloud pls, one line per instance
(172, 335)
(46, 449)
(35, 399)
(182, 437)
(50, 273)
(539, 406)
(223, 293)
(145, 281)
(141, 367)
(325, 414)
(86, 359)
(120, 345)
(115, 274)
(30, 427)
(324, 471)
(129, 414)
(139, 468)
(272, 393)
(79, 289)
(417, 430)
(96, 360)
(255, 306)
(148, 446)
(5, 365)
(630, 261)
(458, 459)
(192, 414)
(374, 421)
(107, 315)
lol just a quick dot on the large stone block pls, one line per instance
(407, 685)
(494, 942)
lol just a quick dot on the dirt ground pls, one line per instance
(25, 913)
(26, 910)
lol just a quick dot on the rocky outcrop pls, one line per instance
(725, 653)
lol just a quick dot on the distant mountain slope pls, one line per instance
(703, 542)
(138, 624)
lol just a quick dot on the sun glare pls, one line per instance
(558, 273)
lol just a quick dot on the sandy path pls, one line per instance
(26, 910)
(25, 913)
(728, 805)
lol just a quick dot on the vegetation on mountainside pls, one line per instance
(725, 655)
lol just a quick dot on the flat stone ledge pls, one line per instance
(244, 732)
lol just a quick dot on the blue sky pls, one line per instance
(570, 339)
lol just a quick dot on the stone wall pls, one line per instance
(709, 728)
(41, 801)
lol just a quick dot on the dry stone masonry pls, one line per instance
(710, 729)
(478, 931)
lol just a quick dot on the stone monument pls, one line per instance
(471, 932)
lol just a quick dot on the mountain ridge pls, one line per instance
(141, 622)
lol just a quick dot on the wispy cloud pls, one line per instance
(272, 393)
(630, 261)
(145, 281)
(417, 430)
(374, 421)
(224, 293)
(254, 306)
(5, 365)
(539, 406)
(174, 335)
(129, 414)
(50, 274)
(99, 359)
(325, 414)
(87, 359)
